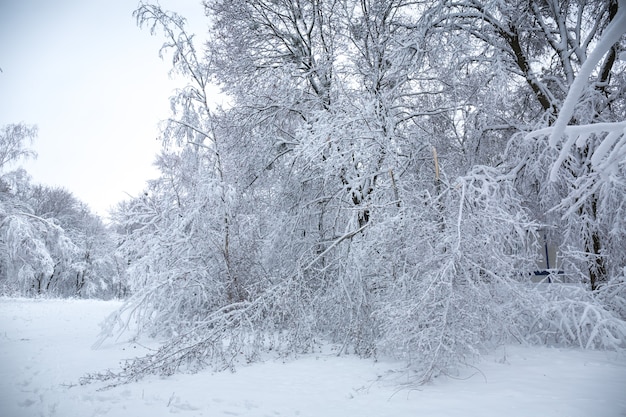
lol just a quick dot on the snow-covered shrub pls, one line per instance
(457, 293)
(572, 315)
(612, 295)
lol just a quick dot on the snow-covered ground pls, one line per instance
(45, 347)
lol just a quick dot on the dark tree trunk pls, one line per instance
(593, 247)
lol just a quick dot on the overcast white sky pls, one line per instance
(93, 83)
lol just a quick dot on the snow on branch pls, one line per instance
(614, 131)
(605, 158)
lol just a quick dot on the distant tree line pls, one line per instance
(50, 242)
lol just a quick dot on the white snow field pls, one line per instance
(45, 347)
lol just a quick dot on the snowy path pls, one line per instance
(45, 347)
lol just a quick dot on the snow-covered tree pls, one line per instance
(50, 243)
(551, 49)
(371, 183)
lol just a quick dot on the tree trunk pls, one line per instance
(593, 247)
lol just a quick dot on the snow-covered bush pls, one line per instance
(572, 315)
(612, 295)
(458, 291)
